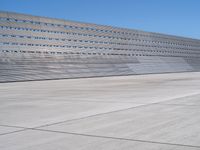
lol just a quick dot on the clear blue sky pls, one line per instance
(176, 17)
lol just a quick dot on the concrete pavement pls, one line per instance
(145, 112)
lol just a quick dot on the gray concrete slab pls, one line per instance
(41, 112)
(159, 111)
(39, 140)
(7, 130)
(156, 122)
(193, 100)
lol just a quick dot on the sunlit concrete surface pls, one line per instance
(39, 48)
(144, 112)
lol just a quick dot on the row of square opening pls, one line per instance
(98, 42)
(86, 53)
(99, 36)
(88, 28)
(98, 48)
(96, 36)
(81, 28)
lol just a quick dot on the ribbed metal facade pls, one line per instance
(37, 48)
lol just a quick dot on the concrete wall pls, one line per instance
(36, 48)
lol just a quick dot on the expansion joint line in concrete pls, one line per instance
(119, 138)
(97, 136)
(95, 115)
(105, 113)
